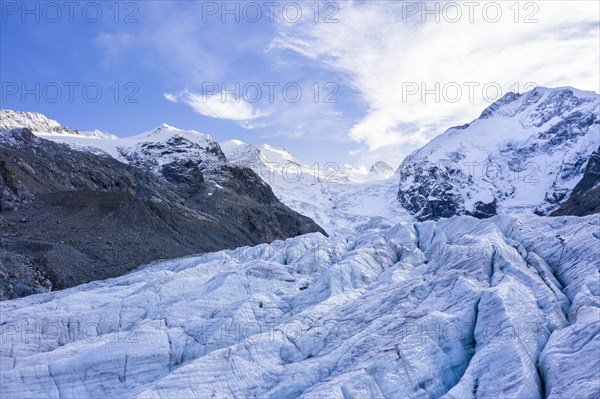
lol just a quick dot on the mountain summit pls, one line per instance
(381, 168)
(525, 153)
(41, 125)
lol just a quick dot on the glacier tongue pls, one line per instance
(462, 308)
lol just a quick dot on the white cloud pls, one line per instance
(379, 53)
(219, 106)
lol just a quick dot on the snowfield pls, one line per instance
(506, 307)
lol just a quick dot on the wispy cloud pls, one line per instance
(169, 39)
(383, 54)
(376, 57)
(219, 106)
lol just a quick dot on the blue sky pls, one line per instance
(371, 63)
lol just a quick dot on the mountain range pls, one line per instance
(526, 153)
(470, 271)
(74, 214)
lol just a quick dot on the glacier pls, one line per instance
(339, 198)
(390, 305)
(506, 307)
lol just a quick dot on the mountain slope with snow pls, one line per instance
(381, 168)
(462, 308)
(71, 214)
(152, 149)
(525, 153)
(43, 126)
(338, 198)
(459, 308)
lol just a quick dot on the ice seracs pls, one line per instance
(70, 216)
(462, 308)
(384, 307)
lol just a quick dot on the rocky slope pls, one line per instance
(463, 308)
(525, 153)
(585, 197)
(71, 216)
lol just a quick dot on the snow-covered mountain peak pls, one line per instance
(339, 198)
(166, 145)
(97, 134)
(257, 155)
(539, 105)
(382, 169)
(513, 118)
(525, 152)
(165, 132)
(152, 149)
(34, 121)
(234, 142)
(242, 154)
(277, 153)
(42, 126)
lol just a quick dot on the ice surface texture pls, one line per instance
(505, 307)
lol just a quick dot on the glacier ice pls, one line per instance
(461, 308)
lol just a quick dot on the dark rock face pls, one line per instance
(585, 197)
(484, 210)
(443, 199)
(68, 217)
(20, 275)
(430, 201)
